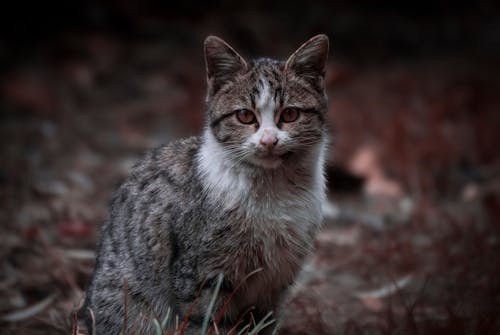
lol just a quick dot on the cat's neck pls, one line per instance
(232, 183)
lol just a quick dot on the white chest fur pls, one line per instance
(280, 214)
(266, 192)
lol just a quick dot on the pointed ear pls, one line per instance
(222, 62)
(310, 59)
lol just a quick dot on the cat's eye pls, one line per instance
(245, 116)
(290, 114)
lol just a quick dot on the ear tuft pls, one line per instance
(222, 62)
(310, 59)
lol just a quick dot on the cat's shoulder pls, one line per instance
(174, 161)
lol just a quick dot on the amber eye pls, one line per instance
(245, 116)
(289, 114)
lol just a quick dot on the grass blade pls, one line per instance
(262, 324)
(206, 320)
(165, 319)
(91, 312)
(157, 327)
(242, 331)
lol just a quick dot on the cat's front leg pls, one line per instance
(193, 312)
(279, 298)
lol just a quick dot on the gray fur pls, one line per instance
(203, 206)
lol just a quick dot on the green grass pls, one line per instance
(160, 326)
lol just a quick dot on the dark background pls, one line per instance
(411, 240)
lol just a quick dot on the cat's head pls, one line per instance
(263, 112)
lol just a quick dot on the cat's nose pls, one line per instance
(268, 139)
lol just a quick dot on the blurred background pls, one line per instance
(411, 239)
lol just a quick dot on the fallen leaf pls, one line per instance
(74, 228)
(380, 185)
(340, 236)
(388, 289)
(365, 163)
(28, 312)
(79, 254)
(372, 303)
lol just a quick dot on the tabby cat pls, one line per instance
(242, 200)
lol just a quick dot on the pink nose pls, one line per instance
(268, 139)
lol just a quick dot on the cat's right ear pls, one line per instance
(222, 62)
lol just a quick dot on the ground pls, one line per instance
(411, 241)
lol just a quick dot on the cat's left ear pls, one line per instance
(223, 63)
(310, 59)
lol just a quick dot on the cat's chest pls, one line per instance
(271, 239)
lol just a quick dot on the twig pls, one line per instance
(74, 326)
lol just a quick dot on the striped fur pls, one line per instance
(221, 202)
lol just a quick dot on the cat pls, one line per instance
(242, 200)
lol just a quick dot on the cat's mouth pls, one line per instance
(269, 160)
